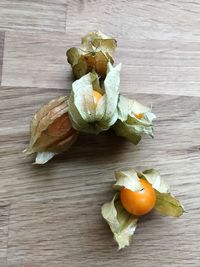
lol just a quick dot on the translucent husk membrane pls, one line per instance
(51, 131)
(55, 126)
(94, 53)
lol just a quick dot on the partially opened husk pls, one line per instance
(134, 119)
(94, 53)
(88, 117)
(121, 222)
(166, 203)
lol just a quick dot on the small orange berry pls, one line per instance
(141, 202)
(96, 96)
(139, 116)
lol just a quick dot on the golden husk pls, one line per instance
(51, 129)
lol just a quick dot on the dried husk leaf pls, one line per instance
(154, 178)
(85, 115)
(97, 41)
(168, 205)
(43, 157)
(127, 179)
(127, 131)
(134, 119)
(122, 224)
(95, 51)
(51, 130)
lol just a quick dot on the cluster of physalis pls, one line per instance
(95, 105)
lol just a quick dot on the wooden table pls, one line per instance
(50, 215)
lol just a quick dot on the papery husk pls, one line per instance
(166, 203)
(51, 131)
(129, 125)
(121, 222)
(95, 51)
(127, 179)
(154, 178)
(88, 117)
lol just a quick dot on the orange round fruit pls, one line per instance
(139, 116)
(96, 96)
(90, 60)
(141, 202)
(101, 64)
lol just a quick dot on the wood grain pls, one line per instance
(148, 66)
(2, 35)
(50, 215)
(37, 60)
(4, 223)
(33, 15)
(157, 20)
(55, 209)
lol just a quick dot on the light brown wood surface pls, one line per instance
(50, 215)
